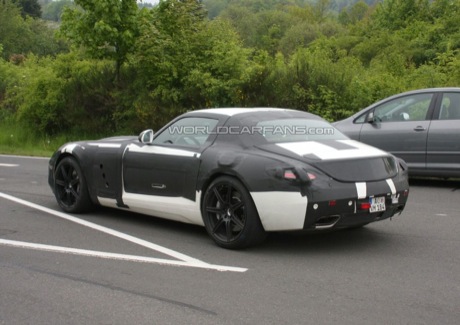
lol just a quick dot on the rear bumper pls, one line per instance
(329, 204)
(347, 213)
(342, 205)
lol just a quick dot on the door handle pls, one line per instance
(159, 186)
(419, 128)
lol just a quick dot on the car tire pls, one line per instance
(70, 187)
(230, 215)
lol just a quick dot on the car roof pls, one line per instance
(437, 89)
(410, 92)
(418, 91)
(239, 110)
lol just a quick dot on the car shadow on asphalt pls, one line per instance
(287, 242)
(132, 220)
(335, 242)
(451, 183)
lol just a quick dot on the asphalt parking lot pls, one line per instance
(113, 267)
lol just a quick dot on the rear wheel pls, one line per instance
(230, 215)
(70, 187)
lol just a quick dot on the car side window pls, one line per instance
(450, 107)
(407, 108)
(361, 119)
(188, 131)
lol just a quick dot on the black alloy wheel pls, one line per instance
(230, 215)
(70, 187)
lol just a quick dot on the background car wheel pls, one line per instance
(70, 187)
(230, 215)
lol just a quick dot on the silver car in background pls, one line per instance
(421, 126)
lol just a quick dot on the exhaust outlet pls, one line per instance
(326, 222)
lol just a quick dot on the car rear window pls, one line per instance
(293, 130)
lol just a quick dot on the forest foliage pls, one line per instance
(112, 66)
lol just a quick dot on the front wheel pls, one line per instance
(70, 187)
(230, 216)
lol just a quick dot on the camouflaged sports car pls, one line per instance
(240, 172)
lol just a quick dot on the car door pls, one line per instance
(443, 145)
(168, 165)
(400, 126)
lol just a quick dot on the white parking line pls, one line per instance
(106, 230)
(9, 165)
(114, 256)
(186, 260)
(25, 157)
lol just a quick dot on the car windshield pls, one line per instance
(295, 130)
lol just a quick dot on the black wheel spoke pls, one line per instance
(228, 199)
(219, 223)
(67, 198)
(214, 210)
(65, 174)
(218, 196)
(74, 182)
(60, 182)
(237, 205)
(74, 194)
(237, 221)
(229, 232)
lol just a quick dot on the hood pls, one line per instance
(344, 160)
(121, 138)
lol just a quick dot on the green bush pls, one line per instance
(172, 59)
(40, 98)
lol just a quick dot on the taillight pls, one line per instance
(311, 176)
(289, 175)
(292, 174)
(365, 206)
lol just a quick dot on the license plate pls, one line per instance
(377, 204)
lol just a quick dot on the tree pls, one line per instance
(104, 28)
(29, 8)
(397, 14)
(300, 35)
(321, 9)
(244, 21)
(354, 13)
(53, 10)
(215, 7)
(35, 35)
(183, 61)
(273, 26)
(11, 25)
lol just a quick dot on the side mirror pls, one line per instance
(146, 137)
(370, 118)
(405, 117)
